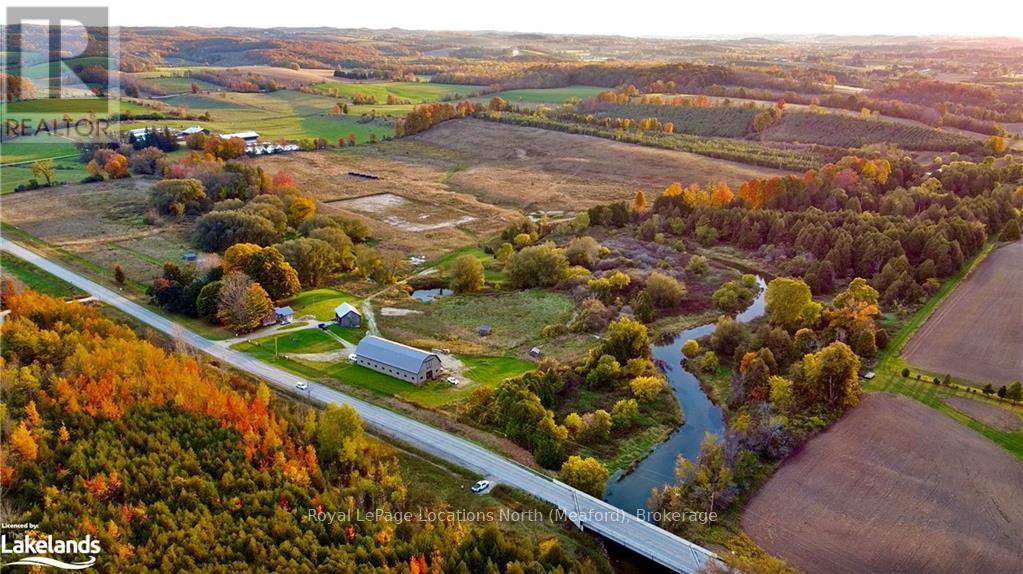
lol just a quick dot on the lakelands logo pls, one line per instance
(40, 548)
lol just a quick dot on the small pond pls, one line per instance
(430, 294)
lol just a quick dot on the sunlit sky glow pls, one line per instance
(675, 18)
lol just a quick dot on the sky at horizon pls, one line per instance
(654, 18)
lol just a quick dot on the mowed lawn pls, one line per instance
(491, 371)
(301, 341)
(320, 303)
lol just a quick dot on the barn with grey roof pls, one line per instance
(397, 360)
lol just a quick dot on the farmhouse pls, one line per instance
(284, 314)
(347, 315)
(397, 360)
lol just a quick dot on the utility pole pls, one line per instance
(275, 346)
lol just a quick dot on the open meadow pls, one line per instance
(99, 225)
(530, 168)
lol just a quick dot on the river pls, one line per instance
(700, 416)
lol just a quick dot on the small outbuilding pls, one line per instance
(248, 137)
(347, 315)
(484, 330)
(535, 352)
(284, 314)
(399, 361)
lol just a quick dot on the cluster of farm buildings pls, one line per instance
(253, 146)
(391, 358)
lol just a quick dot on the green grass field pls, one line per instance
(320, 303)
(443, 263)
(176, 84)
(516, 318)
(282, 114)
(415, 92)
(67, 171)
(350, 334)
(491, 371)
(551, 96)
(37, 279)
(26, 149)
(302, 341)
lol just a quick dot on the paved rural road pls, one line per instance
(593, 514)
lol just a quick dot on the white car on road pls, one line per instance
(481, 486)
(302, 386)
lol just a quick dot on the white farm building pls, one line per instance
(397, 360)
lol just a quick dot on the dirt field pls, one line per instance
(977, 333)
(410, 207)
(893, 487)
(101, 222)
(987, 413)
(539, 169)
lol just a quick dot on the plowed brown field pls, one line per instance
(977, 333)
(894, 486)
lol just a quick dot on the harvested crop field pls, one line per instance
(894, 486)
(540, 169)
(977, 332)
(987, 413)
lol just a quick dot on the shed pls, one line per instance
(535, 352)
(347, 315)
(284, 314)
(399, 361)
(484, 330)
(247, 137)
(191, 131)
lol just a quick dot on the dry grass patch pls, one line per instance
(410, 206)
(541, 169)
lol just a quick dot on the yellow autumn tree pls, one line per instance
(32, 415)
(23, 443)
(673, 190)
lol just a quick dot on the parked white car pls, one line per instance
(481, 486)
(352, 358)
(452, 381)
